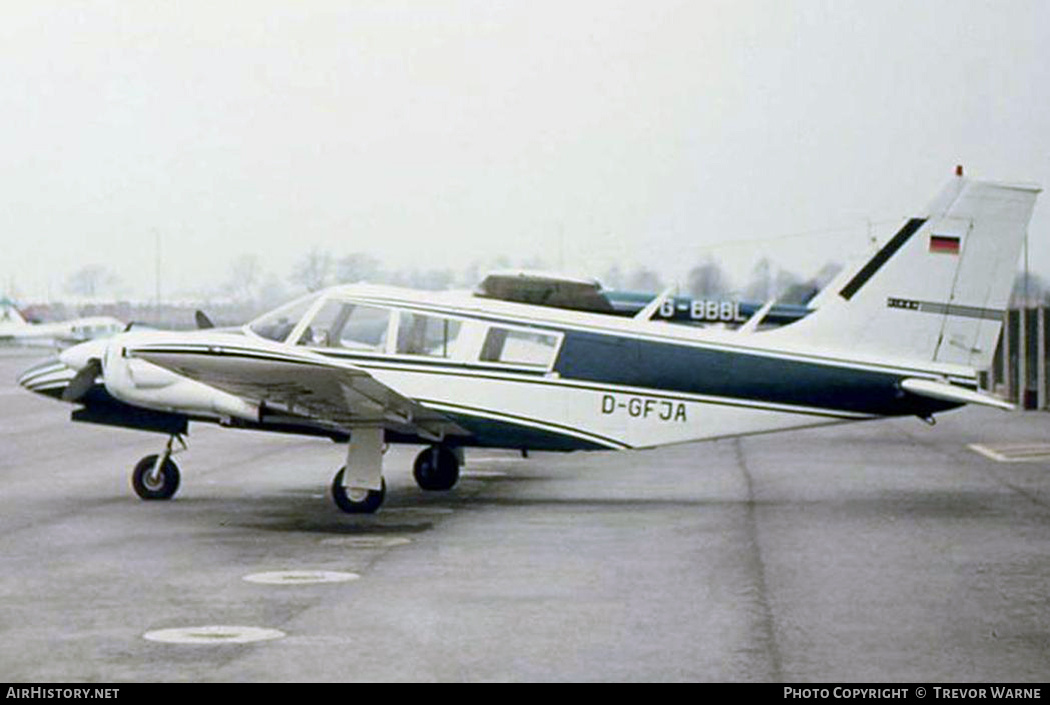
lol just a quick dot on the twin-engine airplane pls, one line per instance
(16, 330)
(905, 334)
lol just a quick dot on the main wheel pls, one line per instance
(163, 486)
(354, 501)
(436, 468)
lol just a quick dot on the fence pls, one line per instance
(1019, 370)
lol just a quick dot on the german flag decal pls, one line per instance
(944, 244)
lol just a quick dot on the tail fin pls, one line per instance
(9, 312)
(937, 290)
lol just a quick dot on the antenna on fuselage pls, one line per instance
(653, 306)
(751, 324)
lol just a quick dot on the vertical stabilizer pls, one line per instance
(9, 313)
(936, 291)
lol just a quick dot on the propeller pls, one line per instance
(202, 320)
(84, 380)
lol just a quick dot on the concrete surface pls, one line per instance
(882, 551)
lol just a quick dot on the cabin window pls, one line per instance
(325, 326)
(426, 335)
(519, 347)
(338, 324)
(365, 329)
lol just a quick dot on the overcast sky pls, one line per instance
(437, 133)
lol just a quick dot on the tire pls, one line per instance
(369, 503)
(163, 487)
(436, 469)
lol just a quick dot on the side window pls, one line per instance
(338, 324)
(365, 328)
(426, 335)
(325, 326)
(518, 347)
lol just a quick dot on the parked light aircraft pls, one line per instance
(586, 294)
(15, 329)
(903, 334)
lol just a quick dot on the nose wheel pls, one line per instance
(157, 476)
(155, 480)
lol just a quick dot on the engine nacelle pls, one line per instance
(77, 356)
(144, 384)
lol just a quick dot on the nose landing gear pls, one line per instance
(157, 476)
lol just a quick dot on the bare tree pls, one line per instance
(801, 292)
(644, 279)
(314, 271)
(707, 280)
(358, 267)
(760, 288)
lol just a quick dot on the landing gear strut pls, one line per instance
(157, 476)
(359, 487)
(436, 468)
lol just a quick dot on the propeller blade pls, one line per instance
(202, 320)
(84, 380)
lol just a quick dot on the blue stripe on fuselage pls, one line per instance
(735, 375)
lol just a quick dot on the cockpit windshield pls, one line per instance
(278, 324)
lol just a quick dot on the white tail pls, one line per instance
(9, 313)
(937, 290)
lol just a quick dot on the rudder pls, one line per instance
(937, 290)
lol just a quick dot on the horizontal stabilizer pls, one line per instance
(949, 392)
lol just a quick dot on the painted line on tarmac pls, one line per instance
(1013, 452)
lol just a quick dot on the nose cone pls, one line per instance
(49, 378)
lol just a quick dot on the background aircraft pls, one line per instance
(586, 294)
(16, 330)
(905, 334)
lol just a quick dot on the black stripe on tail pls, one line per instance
(881, 258)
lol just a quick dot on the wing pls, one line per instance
(296, 381)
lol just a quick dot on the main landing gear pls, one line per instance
(436, 468)
(353, 500)
(157, 476)
(358, 487)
